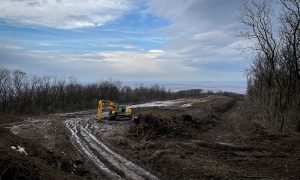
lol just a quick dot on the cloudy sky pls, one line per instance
(128, 40)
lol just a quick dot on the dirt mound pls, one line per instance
(22, 159)
(149, 126)
(16, 166)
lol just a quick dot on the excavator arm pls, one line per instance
(116, 111)
(102, 104)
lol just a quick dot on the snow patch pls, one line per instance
(157, 104)
(19, 149)
(177, 102)
(186, 105)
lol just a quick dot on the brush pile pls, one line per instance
(148, 126)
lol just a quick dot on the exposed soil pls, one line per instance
(221, 144)
(205, 138)
(35, 162)
(50, 153)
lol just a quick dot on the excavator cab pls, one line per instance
(122, 109)
(115, 111)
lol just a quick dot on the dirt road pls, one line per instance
(111, 164)
(232, 129)
(78, 147)
(74, 144)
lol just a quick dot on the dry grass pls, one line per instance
(206, 167)
(217, 105)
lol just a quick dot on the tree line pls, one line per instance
(21, 93)
(274, 77)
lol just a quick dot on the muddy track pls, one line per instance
(229, 131)
(109, 163)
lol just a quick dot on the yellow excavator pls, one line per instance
(115, 111)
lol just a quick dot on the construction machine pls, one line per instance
(115, 111)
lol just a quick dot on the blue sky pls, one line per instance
(128, 40)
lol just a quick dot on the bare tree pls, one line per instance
(5, 84)
(274, 75)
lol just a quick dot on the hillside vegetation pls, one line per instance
(274, 77)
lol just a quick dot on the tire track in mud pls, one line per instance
(84, 149)
(107, 161)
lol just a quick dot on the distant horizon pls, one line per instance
(215, 86)
(173, 85)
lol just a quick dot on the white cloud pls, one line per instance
(121, 65)
(64, 14)
(200, 31)
(156, 51)
(9, 46)
(92, 66)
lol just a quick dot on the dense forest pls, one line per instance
(273, 29)
(29, 94)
